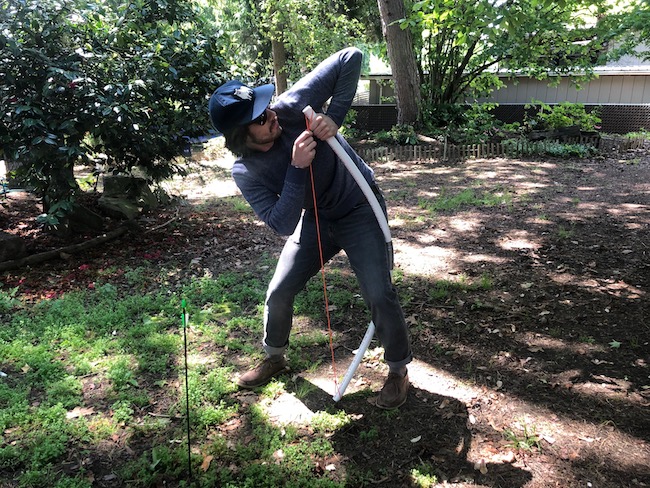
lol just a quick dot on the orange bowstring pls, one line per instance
(322, 267)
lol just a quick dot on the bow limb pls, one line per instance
(358, 356)
(363, 185)
(383, 223)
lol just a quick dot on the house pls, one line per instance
(621, 90)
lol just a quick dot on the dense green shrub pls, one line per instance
(122, 82)
(462, 123)
(402, 135)
(551, 148)
(477, 125)
(565, 114)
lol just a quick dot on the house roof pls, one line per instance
(626, 65)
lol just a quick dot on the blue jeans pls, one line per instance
(360, 236)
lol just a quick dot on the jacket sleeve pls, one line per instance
(336, 77)
(281, 212)
(279, 202)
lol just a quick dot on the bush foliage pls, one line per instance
(120, 83)
(565, 114)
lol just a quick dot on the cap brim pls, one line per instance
(263, 95)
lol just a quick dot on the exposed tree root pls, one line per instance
(61, 252)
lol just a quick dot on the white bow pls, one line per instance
(383, 223)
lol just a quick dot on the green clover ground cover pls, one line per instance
(127, 343)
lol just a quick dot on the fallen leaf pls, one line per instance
(330, 467)
(481, 466)
(598, 361)
(416, 439)
(547, 438)
(206, 463)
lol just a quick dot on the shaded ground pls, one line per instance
(528, 306)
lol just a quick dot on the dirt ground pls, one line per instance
(533, 370)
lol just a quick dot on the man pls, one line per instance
(276, 150)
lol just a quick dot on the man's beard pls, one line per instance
(274, 132)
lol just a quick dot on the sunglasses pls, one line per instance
(261, 120)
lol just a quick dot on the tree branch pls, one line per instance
(56, 253)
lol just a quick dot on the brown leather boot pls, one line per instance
(394, 392)
(262, 373)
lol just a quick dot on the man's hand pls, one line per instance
(323, 127)
(304, 150)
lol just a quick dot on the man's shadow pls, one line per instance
(428, 435)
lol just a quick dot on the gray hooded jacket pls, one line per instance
(277, 191)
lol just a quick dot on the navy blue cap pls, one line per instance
(234, 104)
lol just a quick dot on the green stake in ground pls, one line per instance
(187, 391)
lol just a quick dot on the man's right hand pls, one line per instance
(304, 150)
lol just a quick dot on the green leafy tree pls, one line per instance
(637, 27)
(460, 45)
(245, 51)
(280, 40)
(125, 82)
(365, 12)
(42, 87)
(156, 64)
(304, 33)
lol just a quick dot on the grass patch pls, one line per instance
(424, 476)
(442, 289)
(523, 437)
(342, 292)
(469, 197)
(90, 366)
(563, 233)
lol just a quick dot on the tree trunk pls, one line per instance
(279, 61)
(402, 62)
(61, 186)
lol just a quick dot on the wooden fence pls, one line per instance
(446, 152)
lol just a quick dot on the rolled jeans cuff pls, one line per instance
(399, 364)
(274, 351)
